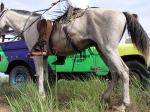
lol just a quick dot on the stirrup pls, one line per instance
(38, 53)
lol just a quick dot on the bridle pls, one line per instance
(2, 13)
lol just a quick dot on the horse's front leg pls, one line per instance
(38, 61)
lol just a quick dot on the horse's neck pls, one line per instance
(19, 22)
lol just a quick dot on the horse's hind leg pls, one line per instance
(107, 93)
(117, 67)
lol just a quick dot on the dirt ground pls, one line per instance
(3, 106)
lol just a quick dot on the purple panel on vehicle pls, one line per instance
(13, 45)
(17, 51)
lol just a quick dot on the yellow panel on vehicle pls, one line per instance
(128, 49)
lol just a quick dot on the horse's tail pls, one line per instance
(139, 37)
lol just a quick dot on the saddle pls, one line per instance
(72, 14)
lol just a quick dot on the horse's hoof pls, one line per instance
(105, 99)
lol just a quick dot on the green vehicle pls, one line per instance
(15, 63)
(92, 63)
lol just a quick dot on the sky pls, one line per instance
(141, 7)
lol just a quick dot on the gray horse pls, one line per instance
(97, 27)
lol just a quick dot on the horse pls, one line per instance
(101, 28)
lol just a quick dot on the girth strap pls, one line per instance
(71, 42)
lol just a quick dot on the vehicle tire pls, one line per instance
(19, 75)
(138, 71)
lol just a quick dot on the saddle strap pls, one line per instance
(71, 42)
(50, 39)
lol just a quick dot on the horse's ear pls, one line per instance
(2, 7)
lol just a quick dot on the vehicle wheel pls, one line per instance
(18, 75)
(138, 73)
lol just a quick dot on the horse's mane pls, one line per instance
(24, 12)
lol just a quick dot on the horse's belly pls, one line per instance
(65, 48)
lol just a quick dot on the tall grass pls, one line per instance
(71, 96)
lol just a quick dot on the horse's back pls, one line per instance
(106, 25)
(105, 12)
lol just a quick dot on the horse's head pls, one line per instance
(3, 21)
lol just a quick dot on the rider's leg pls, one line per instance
(44, 28)
(57, 11)
(53, 14)
(40, 49)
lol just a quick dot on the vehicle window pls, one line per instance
(9, 36)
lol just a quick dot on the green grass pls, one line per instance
(69, 96)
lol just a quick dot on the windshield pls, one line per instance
(9, 36)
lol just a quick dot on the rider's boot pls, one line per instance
(44, 29)
(40, 48)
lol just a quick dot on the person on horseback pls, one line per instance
(44, 27)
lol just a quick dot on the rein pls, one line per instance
(45, 10)
(3, 12)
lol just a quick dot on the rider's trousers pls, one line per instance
(57, 10)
